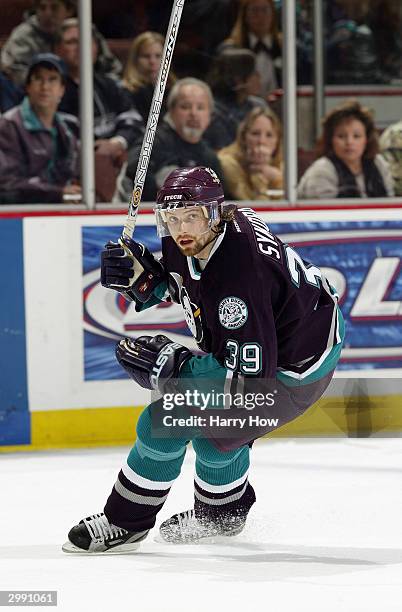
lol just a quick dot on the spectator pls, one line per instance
(256, 28)
(38, 34)
(117, 125)
(363, 41)
(10, 94)
(205, 24)
(391, 147)
(34, 35)
(386, 22)
(141, 71)
(235, 85)
(179, 139)
(38, 153)
(253, 164)
(351, 50)
(349, 165)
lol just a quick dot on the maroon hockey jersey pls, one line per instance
(256, 306)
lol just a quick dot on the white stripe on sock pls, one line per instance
(220, 502)
(145, 483)
(136, 498)
(223, 488)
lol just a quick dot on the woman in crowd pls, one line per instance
(253, 164)
(349, 165)
(141, 71)
(256, 28)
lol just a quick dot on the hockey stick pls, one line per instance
(152, 122)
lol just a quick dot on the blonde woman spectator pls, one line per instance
(141, 71)
(256, 28)
(349, 165)
(253, 164)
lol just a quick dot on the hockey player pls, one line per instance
(256, 309)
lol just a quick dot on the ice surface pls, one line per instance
(325, 534)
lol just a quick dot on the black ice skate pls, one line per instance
(96, 535)
(208, 520)
(187, 528)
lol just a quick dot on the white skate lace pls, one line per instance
(100, 529)
(190, 528)
(185, 520)
(186, 527)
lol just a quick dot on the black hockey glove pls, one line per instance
(152, 362)
(132, 271)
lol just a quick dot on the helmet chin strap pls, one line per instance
(205, 245)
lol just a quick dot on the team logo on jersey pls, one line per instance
(233, 312)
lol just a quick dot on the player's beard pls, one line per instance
(197, 245)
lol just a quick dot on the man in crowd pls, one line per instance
(179, 140)
(38, 153)
(117, 126)
(38, 33)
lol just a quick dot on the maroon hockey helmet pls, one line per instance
(188, 187)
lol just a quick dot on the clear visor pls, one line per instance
(190, 218)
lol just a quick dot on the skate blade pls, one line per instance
(126, 549)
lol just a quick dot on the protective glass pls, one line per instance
(194, 218)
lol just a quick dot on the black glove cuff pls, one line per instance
(153, 363)
(168, 365)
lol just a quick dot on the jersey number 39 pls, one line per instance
(245, 358)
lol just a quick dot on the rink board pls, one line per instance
(60, 383)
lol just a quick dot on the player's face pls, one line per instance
(189, 229)
(149, 60)
(262, 134)
(191, 113)
(349, 141)
(51, 14)
(45, 90)
(259, 15)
